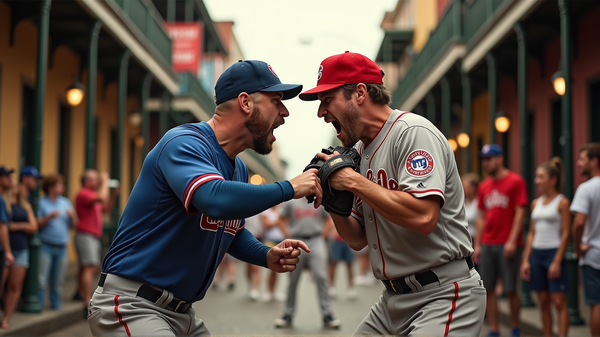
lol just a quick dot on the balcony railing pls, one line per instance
(145, 17)
(447, 32)
(189, 86)
(479, 13)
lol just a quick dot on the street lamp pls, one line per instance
(75, 93)
(135, 119)
(463, 138)
(502, 122)
(453, 144)
(558, 81)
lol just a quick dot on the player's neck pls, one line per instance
(374, 121)
(595, 173)
(227, 134)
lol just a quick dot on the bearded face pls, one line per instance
(261, 131)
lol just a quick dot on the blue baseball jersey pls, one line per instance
(163, 239)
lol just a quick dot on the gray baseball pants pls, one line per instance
(318, 262)
(114, 310)
(452, 307)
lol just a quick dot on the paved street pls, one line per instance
(232, 313)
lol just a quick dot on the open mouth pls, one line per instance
(337, 126)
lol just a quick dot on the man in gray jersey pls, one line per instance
(408, 209)
(312, 226)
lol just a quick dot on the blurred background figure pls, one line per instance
(311, 226)
(340, 252)
(255, 226)
(470, 183)
(6, 257)
(56, 216)
(21, 226)
(93, 199)
(586, 229)
(29, 179)
(502, 201)
(227, 265)
(275, 232)
(549, 234)
(364, 276)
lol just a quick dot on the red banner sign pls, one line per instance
(187, 45)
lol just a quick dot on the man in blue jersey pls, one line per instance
(187, 210)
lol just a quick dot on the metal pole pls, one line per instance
(90, 123)
(121, 110)
(567, 155)
(466, 84)
(31, 303)
(446, 106)
(164, 110)
(171, 10)
(492, 98)
(145, 115)
(430, 101)
(525, 153)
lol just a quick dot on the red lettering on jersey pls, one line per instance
(358, 201)
(382, 178)
(210, 224)
(370, 176)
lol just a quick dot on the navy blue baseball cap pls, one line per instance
(5, 171)
(251, 76)
(30, 171)
(491, 150)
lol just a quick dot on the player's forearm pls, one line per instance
(351, 231)
(230, 200)
(247, 248)
(401, 208)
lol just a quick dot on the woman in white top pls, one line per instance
(543, 264)
(470, 182)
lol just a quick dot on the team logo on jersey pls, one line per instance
(320, 73)
(272, 71)
(419, 163)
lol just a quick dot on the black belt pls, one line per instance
(152, 295)
(399, 286)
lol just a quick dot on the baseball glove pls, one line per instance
(335, 201)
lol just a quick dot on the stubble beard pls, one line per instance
(350, 121)
(260, 134)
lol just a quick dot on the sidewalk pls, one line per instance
(25, 324)
(531, 321)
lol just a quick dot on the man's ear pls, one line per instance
(361, 92)
(245, 102)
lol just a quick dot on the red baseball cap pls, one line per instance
(341, 69)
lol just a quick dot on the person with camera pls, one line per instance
(95, 198)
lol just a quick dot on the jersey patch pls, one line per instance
(419, 163)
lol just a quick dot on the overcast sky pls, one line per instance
(294, 37)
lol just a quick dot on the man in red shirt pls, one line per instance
(502, 199)
(92, 200)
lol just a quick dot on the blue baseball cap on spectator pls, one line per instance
(251, 76)
(5, 171)
(30, 171)
(491, 150)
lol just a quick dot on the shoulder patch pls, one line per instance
(419, 163)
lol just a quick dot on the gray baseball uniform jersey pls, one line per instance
(410, 154)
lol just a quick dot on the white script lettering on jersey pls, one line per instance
(382, 179)
(495, 199)
(209, 224)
